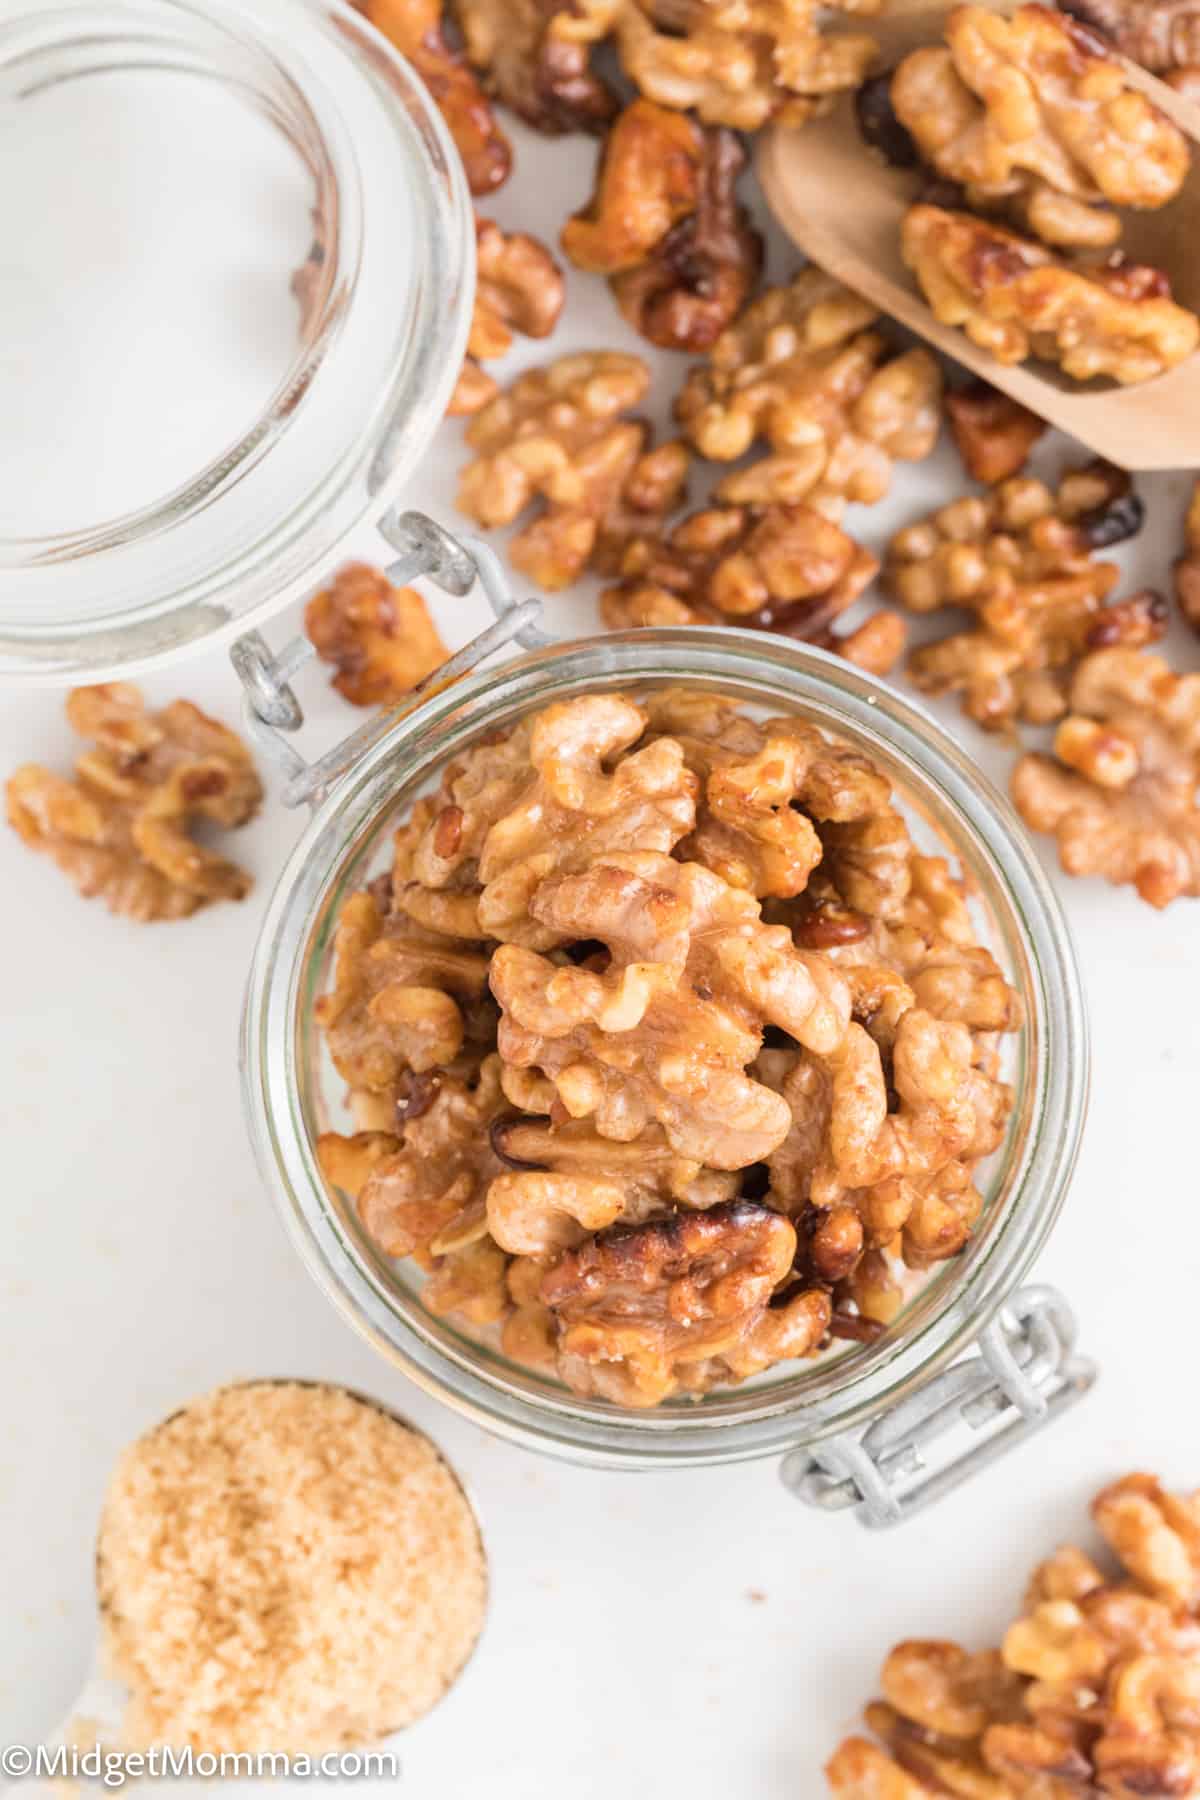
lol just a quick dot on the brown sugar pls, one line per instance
(285, 1567)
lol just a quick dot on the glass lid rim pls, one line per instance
(239, 588)
(768, 1420)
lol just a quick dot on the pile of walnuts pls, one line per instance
(1095, 1688)
(670, 1056)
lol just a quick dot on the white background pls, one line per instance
(647, 1633)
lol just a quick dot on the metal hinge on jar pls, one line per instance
(424, 548)
(1023, 1373)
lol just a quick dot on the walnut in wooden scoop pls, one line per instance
(1023, 238)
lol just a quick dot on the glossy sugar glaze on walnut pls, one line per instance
(671, 1056)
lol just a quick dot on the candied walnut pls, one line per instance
(536, 58)
(1032, 108)
(422, 1193)
(1120, 792)
(695, 281)
(572, 810)
(398, 996)
(994, 435)
(786, 568)
(859, 1770)
(518, 288)
(1187, 569)
(800, 370)
(121, 828)
(878, 125)
(379, 638)
(1013, 299)
(1156, 1534)
(469, 1282)
(1021, 559)
(665, 1040)
(1162, 35)
(415, 28)
(568, 1180)
(638, 1304)
(647, 180)
(559, 434)
(740, 65)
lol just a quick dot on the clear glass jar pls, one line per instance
(236, 290)
(292, 1092)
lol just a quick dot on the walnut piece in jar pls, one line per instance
(561, 434)
(379, 638)
(1094, 1690)
(518, 288)
(1031, 110)
(740, 65)
(785, 568)
(1187, 569)
(993, 433)
(1015, 300)
(120, 829)
(695, 927)
(1119, 792)
(1022, 560)
(535, 56)
(801, 371)
(415, 28)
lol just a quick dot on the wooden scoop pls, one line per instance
(844, 207)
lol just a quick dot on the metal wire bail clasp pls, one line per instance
(424, 548)
(1023, 1374)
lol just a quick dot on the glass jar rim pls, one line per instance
(740, 1423)
(343, 428)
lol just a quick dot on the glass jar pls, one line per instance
(236, 291)
(853, 1424)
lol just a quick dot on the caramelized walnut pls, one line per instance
(1156, 1534)
(1031, 109)
(536, 57)
(1014, 299)
(647, 179)
(664, 1040)
(695, 281)
(1021, 559)
(1162, 35)
(518, 288)
(800, 370)
(1187, 569)
(379, 638)
(560, 434)
(994, 434)
(740, 65)
(785, 568)
(121, 828)
(415, 28)
(638, 1304)
(1119, 793)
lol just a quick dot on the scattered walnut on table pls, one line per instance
(692, 282)
(647, 179)
(561, 434)
(1032, 110)
(1187, 569)
(535, 56)
(1095, 1690)
(993, 433)
(518, 288)
(379, 638)
(800, 371)
(1119, 793)
(787, 569)
(415, 28)
(740, 65)
(1021, 558)
(1015, 300)
(121, 828)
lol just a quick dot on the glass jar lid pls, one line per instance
(236, 289)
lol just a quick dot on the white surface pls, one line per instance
(694, 1632)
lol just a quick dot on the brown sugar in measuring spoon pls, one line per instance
(843, 207)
